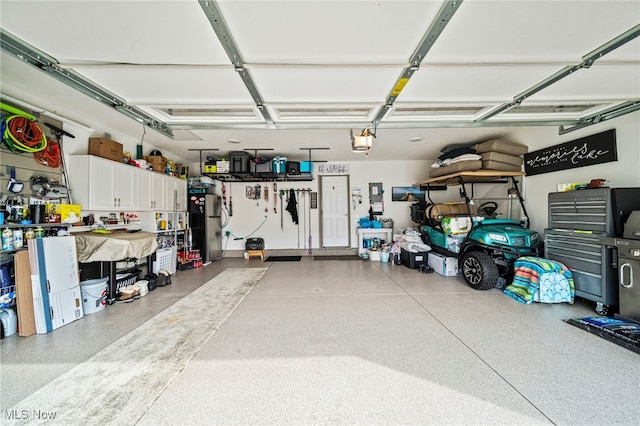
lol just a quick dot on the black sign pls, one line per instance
(587, 151)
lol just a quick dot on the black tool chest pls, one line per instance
(577, 219)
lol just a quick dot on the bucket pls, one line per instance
(94, 295)
(384, 256)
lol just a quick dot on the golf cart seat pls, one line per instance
(436, 212)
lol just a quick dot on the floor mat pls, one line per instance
(283, 258)
(134, 371)
(347, 257)
(621, 332)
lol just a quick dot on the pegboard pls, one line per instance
(26, 167)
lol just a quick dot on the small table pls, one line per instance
(382, 233)
(113, 247)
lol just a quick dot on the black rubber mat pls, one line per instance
(283, 258)
(621, 332)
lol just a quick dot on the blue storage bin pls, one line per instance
(306, 166)
(279, 165)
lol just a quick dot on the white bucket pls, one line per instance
(94, 295)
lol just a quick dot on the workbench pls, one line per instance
(114, 247)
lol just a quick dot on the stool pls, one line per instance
(255, 253)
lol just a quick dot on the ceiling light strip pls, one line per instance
(587, 61)
(607, 114)
(219, 26)
(435, 29)
(45, 63)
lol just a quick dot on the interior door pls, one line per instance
(335, 211)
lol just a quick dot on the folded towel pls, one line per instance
(541, 280)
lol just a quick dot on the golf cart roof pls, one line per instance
(469, 176)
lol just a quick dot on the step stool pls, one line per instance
(255, 253)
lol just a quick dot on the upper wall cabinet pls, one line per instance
(101, 184)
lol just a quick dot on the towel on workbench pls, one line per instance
(541, 280)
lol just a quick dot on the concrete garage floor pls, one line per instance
(317, 342)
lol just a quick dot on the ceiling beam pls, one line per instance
(219, 26)
(587, 61)
(445, 14)
(49, 65)
(601, 116)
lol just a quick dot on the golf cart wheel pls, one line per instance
(479, 270)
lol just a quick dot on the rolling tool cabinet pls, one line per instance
(577, 219)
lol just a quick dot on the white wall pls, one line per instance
(622, 173)
(248, 215)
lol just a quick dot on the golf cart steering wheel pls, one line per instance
(488, 209)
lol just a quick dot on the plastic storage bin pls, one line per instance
(240, 161)
(279, 165)
(414, 260)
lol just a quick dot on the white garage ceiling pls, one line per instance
(290, 75)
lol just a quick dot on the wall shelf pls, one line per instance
(260, 177)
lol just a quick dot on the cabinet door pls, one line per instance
(126, 188)
(158, 192)
(176, 194)
(102, 187)
(145, 185)
(181, 187)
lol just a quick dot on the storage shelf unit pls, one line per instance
(382, 233)
(260, 177)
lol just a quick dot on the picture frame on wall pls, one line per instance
(407, 193)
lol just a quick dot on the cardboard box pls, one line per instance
(446, 266)
(65, 211)
(157, 162)
(223, 166)
(106, 148)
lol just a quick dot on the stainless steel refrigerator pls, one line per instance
(205, 221)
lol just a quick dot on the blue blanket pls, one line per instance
(541, 280)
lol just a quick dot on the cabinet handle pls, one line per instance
(115, 203)
(118, 202)
(622, 283)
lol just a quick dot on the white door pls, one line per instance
(335, 211)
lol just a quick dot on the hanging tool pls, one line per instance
(304, 218)
(310, 241)
(230, 202)
(224, 195)
(281, 209)
(57, 134)
(297, 191)
(275, 198)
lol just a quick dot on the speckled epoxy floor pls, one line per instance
(358, 342)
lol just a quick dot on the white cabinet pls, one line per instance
(157, 192)
(144, 180)
(151, 191)
(176, 190)
(101, 184)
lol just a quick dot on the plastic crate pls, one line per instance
(7, 296)
(125, 279)
(165, 259)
